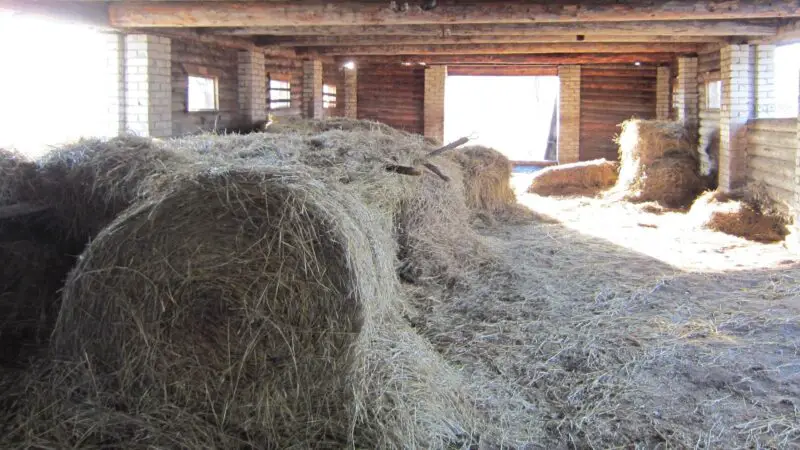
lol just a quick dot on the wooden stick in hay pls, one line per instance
(414, 171)
(20, 209)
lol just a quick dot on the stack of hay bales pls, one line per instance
(739, 214)
(658, 162)
(242, 291)
(587, 178)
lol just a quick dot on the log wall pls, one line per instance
(609, 96)
(771, 152)
(292, 71)
(393, 94)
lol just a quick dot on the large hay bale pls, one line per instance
(16, 174)
(241, 308)
(737, 215)
(658, 162)
(587, 178)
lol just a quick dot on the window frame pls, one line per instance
(708, 90)
(215, 94)
(281, 103)
(329, 96)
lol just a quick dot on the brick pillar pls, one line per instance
(687, 98)
(765, 81)
(351, 93)
(435, 77)
(738, 106)
(663, 91)
(148, 85)
(252, 86)
(569, 114)
(115, 69)
(312, 89)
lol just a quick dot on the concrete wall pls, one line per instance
(195, 58)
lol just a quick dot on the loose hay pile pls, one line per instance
(738, 215)
(587, 178)
(658, 162)
(245, 294)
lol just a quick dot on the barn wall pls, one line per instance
(392, 94)
(609, 96)
(708, 69)
(291, 70)
(196, 58)
(771, 153)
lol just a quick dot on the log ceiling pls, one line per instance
(533, 32)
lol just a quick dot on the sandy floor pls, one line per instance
(622, 329)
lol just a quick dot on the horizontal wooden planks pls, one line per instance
(609, 97)
(771, 152)
(393, 95)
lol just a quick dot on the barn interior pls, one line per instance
(384, 224)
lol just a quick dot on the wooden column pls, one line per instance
(569, 114)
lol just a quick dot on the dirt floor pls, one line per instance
(618, 328)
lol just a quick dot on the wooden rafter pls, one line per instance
(504, 49)
(543, 59)
(238, 14)
(327, 41)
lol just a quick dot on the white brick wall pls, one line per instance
(435, 77)
(351, 93)
(115, 103)
(252, 80)
(569, 114)
(312, 89)
(738, 106)
(765, 81)
(148, 85)
(687, 94)
(663, 91)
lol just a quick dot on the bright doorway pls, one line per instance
(513, 114)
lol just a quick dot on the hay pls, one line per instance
(239, 308)
(16, 174)
(737, 215)
(587, 178)
(429, 216)
(658, 162)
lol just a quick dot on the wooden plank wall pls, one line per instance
(291, 69)
(771, 153)
(708, 70)
(392, 94)
(609, 96)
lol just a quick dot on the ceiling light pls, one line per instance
(637, 63)
(349, 65)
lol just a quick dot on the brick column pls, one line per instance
(148, 85)
(115, 70)
(737, 67)
(765, 81)
(569, 114)
(312, 89)
(687, 98)
(435, 77)
(252, 86)
(351, 93)
(663, 91)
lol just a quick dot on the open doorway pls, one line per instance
(516, 115)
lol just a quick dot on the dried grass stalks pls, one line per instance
(658, 162)
(587, 178)
(238, 308)
(740, 214)
(487, 184)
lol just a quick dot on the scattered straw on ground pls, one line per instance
(587, 178)
(658, 162)
(735, 215)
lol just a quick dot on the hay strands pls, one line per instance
(20, 209)
(414, 171)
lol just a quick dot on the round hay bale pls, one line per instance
(646, 141)
(587, 178)
(240, 309)
(672, 181)
(734, 215)
(90, 181)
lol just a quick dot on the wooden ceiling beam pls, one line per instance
(495, 71)
(653, 28)
(328, 41)
(502, 49)
(542, 59)
(284, 13)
